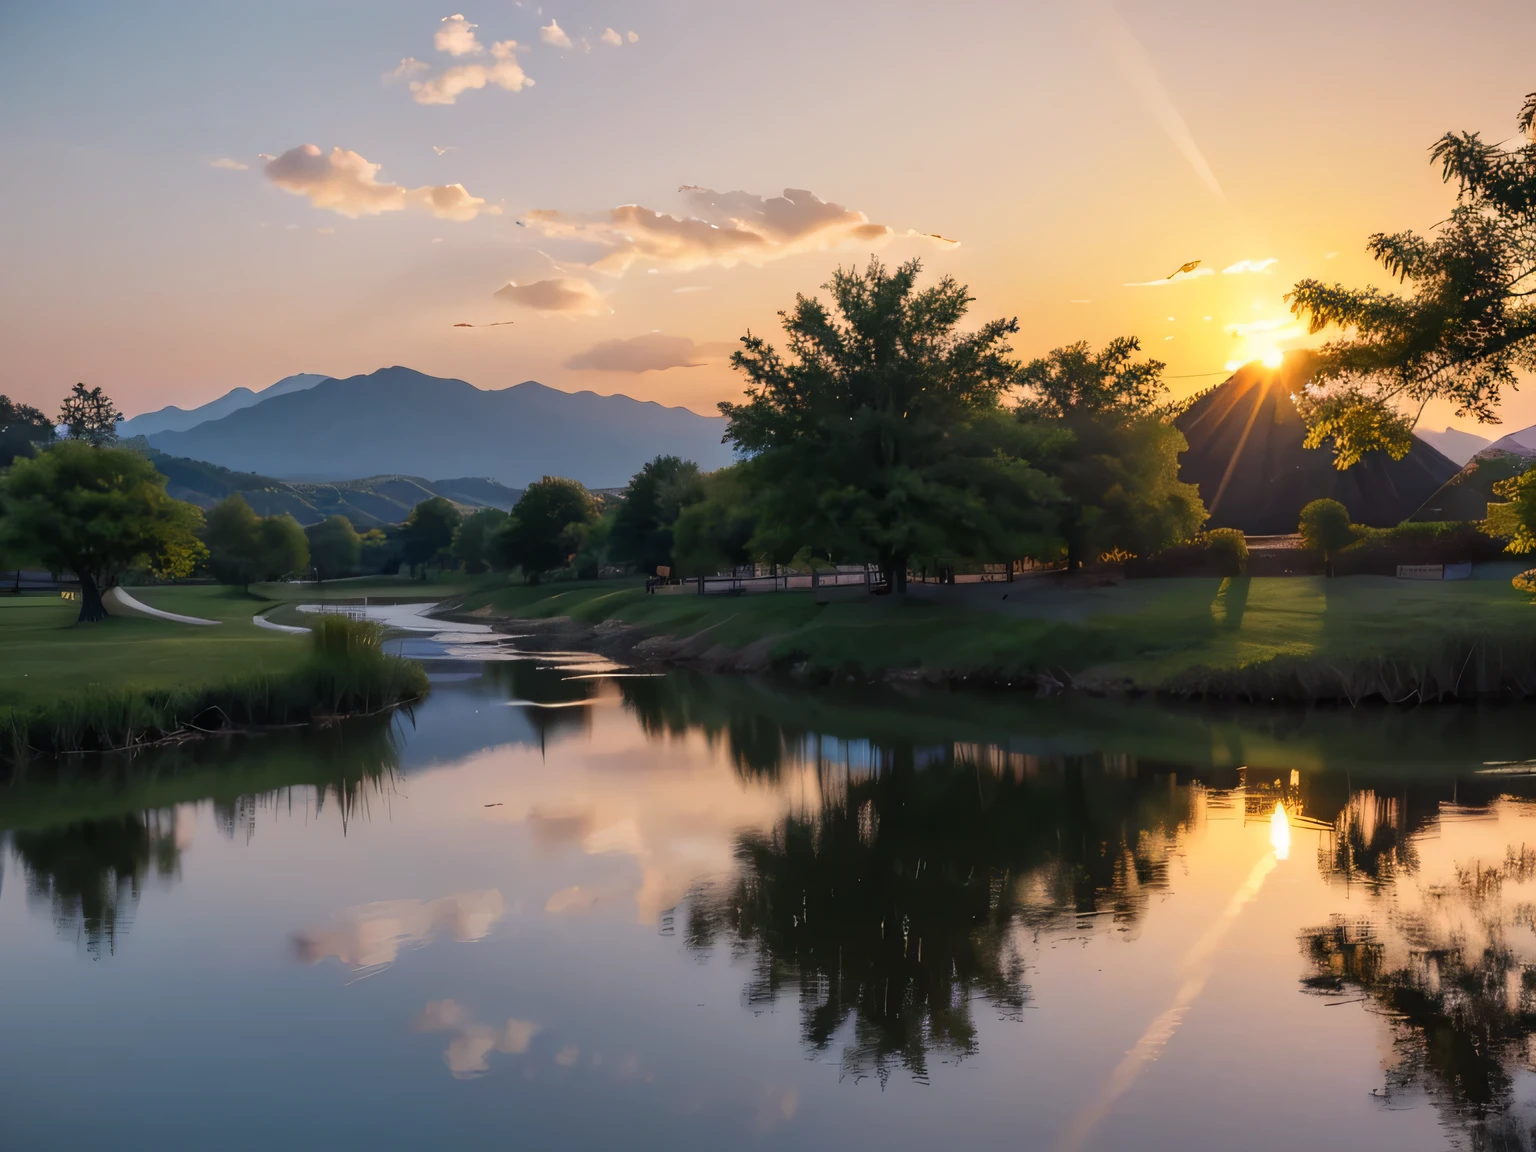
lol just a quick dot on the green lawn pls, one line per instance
(1153, 633)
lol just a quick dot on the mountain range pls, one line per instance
(1454, 444)
(174, 419)
(398, 421)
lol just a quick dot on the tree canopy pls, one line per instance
(428, 532)
(545, 528)
(877, 437)
(1325, 528)
(21, 426)
(472, 539)
(244, 547)
(97, 512)
(643, 522)
(1462, 332)
(334, 547)
(88, 414)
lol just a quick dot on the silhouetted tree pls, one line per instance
(334, 547)
(428, 533)
(471, 539)
(643, 524)
(88, 414)
(21, 427)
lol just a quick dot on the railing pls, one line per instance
(26, 580)
(744, 582)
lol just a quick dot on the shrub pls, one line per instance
(1526, 581)
(1325, 528)
(1379, 551)
(1219, 552)
(1229, 543)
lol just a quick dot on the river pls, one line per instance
(563, 906)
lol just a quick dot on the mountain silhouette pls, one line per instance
(400, 421)
(174, 419)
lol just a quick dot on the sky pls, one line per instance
(200, 197)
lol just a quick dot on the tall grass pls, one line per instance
(347, 673)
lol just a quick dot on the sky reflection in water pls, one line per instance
(560, 910)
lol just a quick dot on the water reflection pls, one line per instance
(369, 937)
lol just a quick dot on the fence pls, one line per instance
(745, 581)
(24, 580)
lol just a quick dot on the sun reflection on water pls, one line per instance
(1280, 832)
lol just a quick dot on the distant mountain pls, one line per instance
(1521, 443)
(1466, 495)
(174, 419)
(1454, 444)
(397, 420)
(368, 503)
(1247, 455)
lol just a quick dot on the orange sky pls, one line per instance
(1071, 149)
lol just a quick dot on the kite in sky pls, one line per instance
(1190, 267)
(498, 324)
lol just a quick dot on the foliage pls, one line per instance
(1325, 528)
(716, 531)
(1526, 581)
(21, 427)
(230, 536)
(642, 534)
(1463, 332)
(1379, 551)
(1229, 542)
(471, 539)
(428, 532)
(282, 549)
(381, 551)
(1516, 520)
(544, 530)
(1112, 454)
(97, 512)
(875, 439)
(89, 415)
(334, 547)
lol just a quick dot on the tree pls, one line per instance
(428, 533)
(1464, 331)
(471, 539)
(334, 547)
(1325, 528)
(231, 537)
(1113, 454)
(717, 530)
(544, 530)
(643, 523)
(282, 549)
(873, 440)
(87, 414)
(97, 512)
(21, 426)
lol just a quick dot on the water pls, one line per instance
(562, 908)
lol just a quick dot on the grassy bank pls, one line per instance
(131, 680)
(1282, 638)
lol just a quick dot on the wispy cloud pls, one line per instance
(566, 296)
(228, 164)
(652, 352)
(553, 34)
(471, 1042)
(609, 36)
(347, 183)
(1137, 67)
(1243, 266)
(724, 228)
(1176, 278)
(495, 66)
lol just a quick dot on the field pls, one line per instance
(1261, 638)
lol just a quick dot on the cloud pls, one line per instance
(471, 1041)
(1138, 68)
(609, 36)
(571, 297)
(727, 228)
(346, 183)
(504, 73)
(552, 33)
(1249, 266)
(652, 352)
(456, 36)
(1176, 278)
(634, 37)
(230, 165)
(408, 66)
(371, 935)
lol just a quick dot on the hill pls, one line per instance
(397, 420)
(174, 419)
(1466, 495)
(1521, 443)
(368, 503)
(1454, 444)
(1246, 453)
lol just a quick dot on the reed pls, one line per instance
(346, 673)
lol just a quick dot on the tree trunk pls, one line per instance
(91, 607)
(895, 568)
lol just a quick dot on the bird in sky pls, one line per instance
(445, 148)
(497, 324)
(1190, 267)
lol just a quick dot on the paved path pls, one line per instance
(121, 598)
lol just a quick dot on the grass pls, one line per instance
(131, 679)
(1288, 638)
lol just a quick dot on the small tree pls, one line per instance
(334, 547)
(643, 523)
(428, 533)
(89, 415)
(545, 528)
(471, 540)
(282, 549)
(1325, 528)
(21, 427)
(97, 512)
(233, 552)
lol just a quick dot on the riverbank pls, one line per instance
(1261, 639)
(133, 680)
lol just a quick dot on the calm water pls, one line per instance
(566, 909)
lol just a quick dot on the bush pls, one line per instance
(1230, 543)
(1379, 551)
(1526, 581)
(1325, 528)
(1219, 552)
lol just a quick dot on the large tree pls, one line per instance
(643, 523)
(876, 438)
(282, 549)
(97, 512)
(1464, 330)
(21, 427)
(546, 527)
(1112, 451)
(334, 547)
(428, 532)
(230, 534)
(471, 539)
(88, 414)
